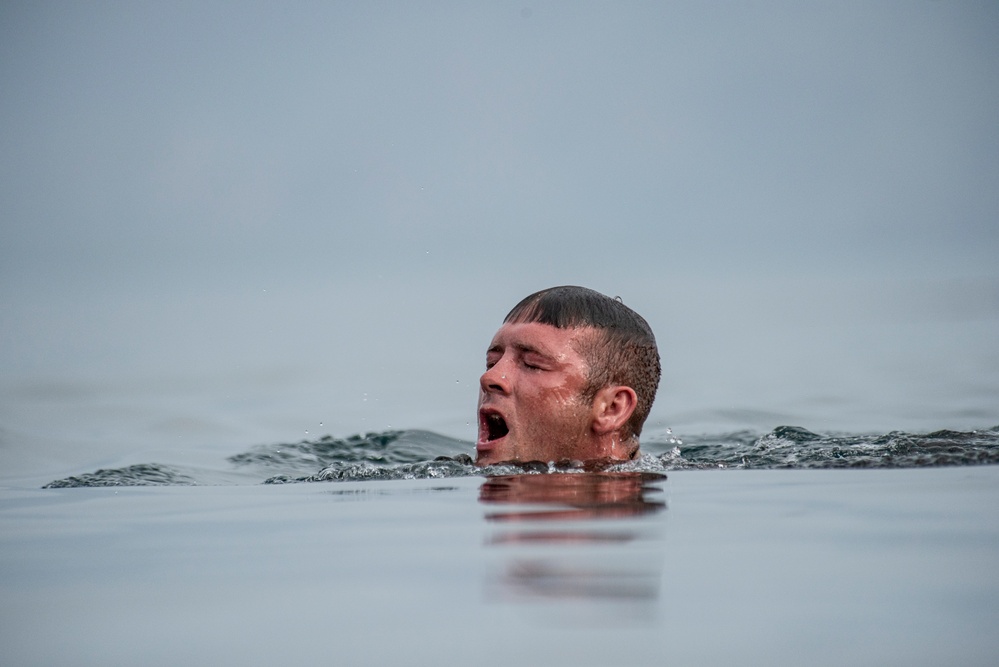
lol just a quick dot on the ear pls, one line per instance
(612, 408)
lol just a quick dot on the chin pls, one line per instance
(489, 458)
(492, 452)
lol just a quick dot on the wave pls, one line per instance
(796, 447)
(144, 474)
(415, 454)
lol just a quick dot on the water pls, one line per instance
(157, 519)
(392, 548)
(211, 477)
(405, 455)
(707, 567)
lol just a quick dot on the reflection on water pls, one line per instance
(576, 537)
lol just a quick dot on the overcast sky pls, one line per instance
(167, 149)
(172, 139)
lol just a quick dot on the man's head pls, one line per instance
(571, 374)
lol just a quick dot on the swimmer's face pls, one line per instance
(531, 401)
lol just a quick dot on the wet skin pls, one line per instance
(531, 403)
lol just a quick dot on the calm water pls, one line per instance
(181, 483)
(762, 567)
(391, 548)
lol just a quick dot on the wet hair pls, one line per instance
(623, 353)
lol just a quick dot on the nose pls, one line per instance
(495, 380)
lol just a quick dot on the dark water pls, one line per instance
(414, 454)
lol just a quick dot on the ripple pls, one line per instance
(415, 454)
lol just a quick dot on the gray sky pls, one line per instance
(180, 139)
(346, 166)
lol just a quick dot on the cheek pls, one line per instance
(562, 412)
(568, 400)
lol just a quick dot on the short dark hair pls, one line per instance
(625, 353)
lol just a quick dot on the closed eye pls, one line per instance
(535, 361)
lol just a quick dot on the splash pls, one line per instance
(796, 447)
(414, 454)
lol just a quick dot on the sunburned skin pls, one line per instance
(531, 399)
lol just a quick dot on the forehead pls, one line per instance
(542, 338)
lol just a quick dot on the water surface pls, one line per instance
(763, 567)
(425, 455)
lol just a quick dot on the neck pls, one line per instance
(621, 449)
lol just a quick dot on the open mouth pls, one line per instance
(493, 426)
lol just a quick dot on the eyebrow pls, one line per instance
(523, 348)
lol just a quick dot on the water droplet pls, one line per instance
(619, 299)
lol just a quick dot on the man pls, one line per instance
(570, 375)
